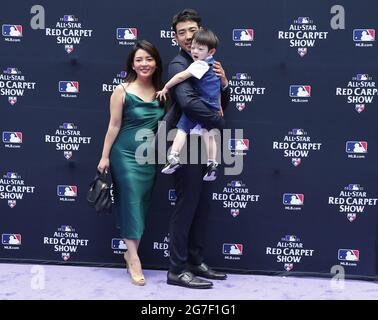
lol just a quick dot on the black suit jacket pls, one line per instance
(185, 99)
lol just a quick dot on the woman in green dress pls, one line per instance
(133, 107)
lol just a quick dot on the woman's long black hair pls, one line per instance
(150, 48)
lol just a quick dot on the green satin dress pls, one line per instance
(133, 182)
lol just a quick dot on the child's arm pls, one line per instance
(176, 79)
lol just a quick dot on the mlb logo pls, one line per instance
(12, 71)
(359, 108)
(302, 51)
(362, 77)
(348, 255)
(69, 17)
(11, 175)
(236, 184)
(66, 191)
(68, 126)
(356, 147)
(298, 91)
(351, 216)
(235, 212)
(172, 195)
(242, 34)
(238, 144)
(240, 106)
(288, 266)
(303, 20)
(241, 76)
(354, 187)
(68, 154)
(66, 256)
(69, 48)
(11, 238)
(66, 228)
(297, 132)
(290, 238)
(296, 161)
(12, 137)
(363, 35)
(12, 30)
(12, 100)
(69, 86)
(126, 33)
(118, 244)
(235, 249)
(293, 199)
(11, 203)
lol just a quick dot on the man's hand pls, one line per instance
(219, 71)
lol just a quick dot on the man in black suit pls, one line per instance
(187, 230)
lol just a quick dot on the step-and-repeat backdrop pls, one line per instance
(303, 89)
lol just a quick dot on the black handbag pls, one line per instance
(99, 192)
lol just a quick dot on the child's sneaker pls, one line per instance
(172, 164)
(211, 172)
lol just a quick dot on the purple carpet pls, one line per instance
(34, 282)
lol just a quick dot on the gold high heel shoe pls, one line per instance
(137, 278)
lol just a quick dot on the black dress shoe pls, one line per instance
(203, 270)
(188, 280)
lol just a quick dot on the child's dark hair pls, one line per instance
(206, 37)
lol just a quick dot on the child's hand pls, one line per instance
(162, 94)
